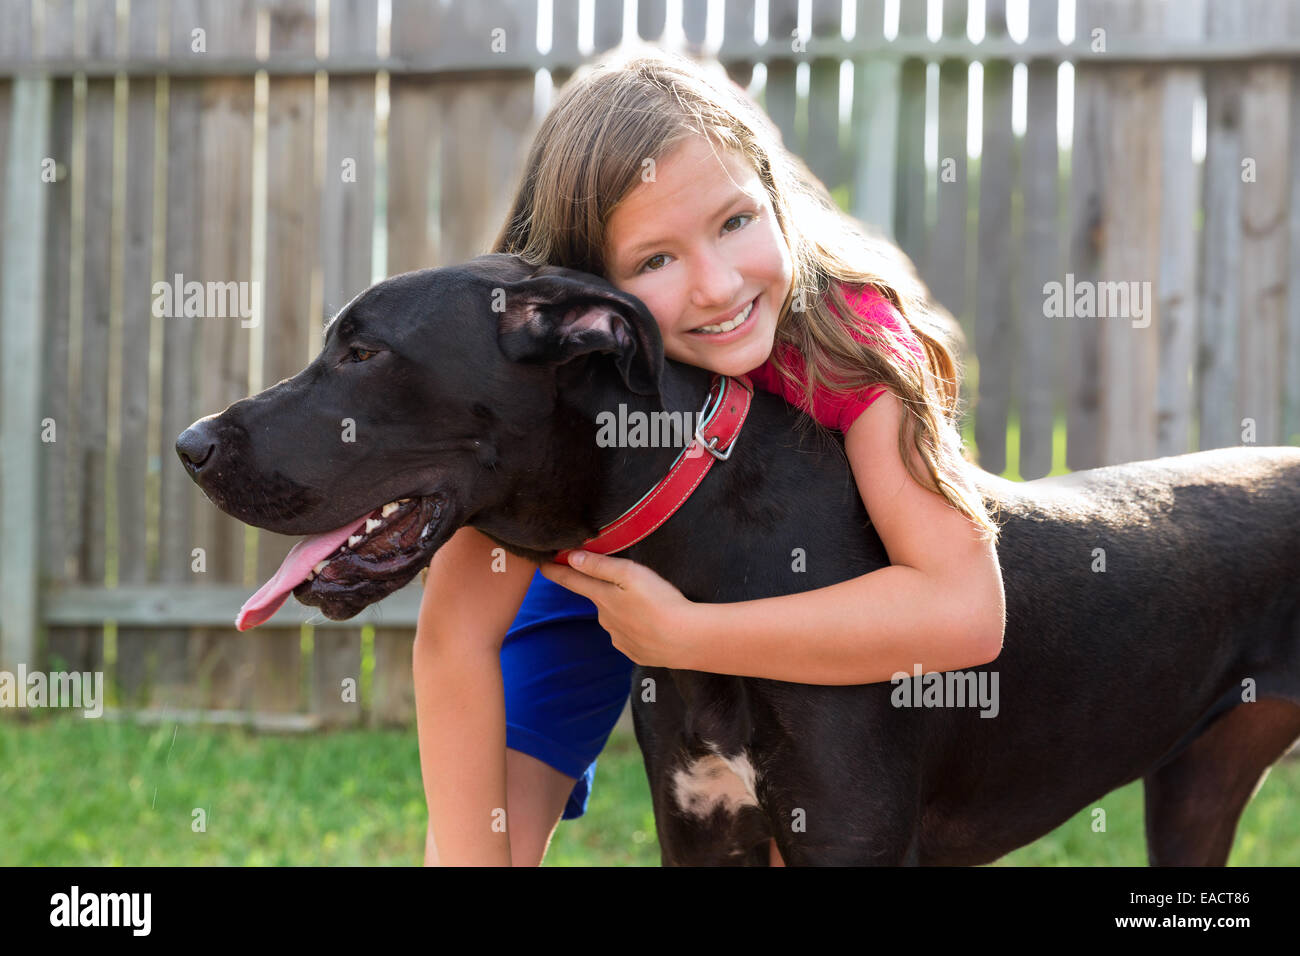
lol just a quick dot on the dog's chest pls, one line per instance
(702, 785)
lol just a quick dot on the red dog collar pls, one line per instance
(716, 431)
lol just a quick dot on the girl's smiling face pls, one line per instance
(700, 246)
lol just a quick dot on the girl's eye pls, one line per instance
(646, 265)
(360, 355)
(744, 215)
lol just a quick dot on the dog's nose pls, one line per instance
(195, 446)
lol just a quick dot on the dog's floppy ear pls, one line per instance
(557, 315)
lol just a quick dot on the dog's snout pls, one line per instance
(197, 446)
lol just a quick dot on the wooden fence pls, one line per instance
(281, 143)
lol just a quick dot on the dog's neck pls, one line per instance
(601, 479)
(627, 473)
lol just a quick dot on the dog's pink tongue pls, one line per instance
(300, 560)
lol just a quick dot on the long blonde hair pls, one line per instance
(588, 155)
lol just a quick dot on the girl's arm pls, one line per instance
(459, 701)
(939, 604)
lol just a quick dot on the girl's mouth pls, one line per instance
(732, 328)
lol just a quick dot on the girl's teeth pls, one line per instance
(728, 326)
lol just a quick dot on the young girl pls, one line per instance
(675, 187)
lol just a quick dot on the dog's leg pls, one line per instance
(1193, 802)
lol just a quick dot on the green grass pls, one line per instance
(99, 793)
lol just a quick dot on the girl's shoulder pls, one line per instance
(873, 312)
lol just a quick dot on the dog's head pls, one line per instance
(435, 397)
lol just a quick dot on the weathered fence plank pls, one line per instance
(21, 249)
(822, 151)
(910, 178)
(414, 136)
(1265, 184)
(225, 182)
(1176, 293)
(90, 347)
(1087, 165)
(347, 232)
(286, 326)
(780, 98)
(178, 496)
(1039, 258)
(56, 456)
(945, 265)
(874, 126)
(133, 346)
(1130, 253)
(995, 323)
(737, 52)
(1221, 279)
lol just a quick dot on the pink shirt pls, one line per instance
(841, 410)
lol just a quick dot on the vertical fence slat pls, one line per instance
(225, 169)
(499, 110)
(606, 29)
(1130, 250)
(564, 39)
(910, 179)
(822, 152)
(945, 266)
(737, 50)
(414, 126)
(135, 645)
(56, 460)
(1040, 261)
(1176, 293)
(291, 235)
(1083, 434)
(347, 228)
(1291, 361)
(90, 461)
(652, 17)
(695, 22)
(994, 322)
(1220, 296)
(179, 497)
(1265, 114)
(875, 126)
(21, 249)
(779, 92)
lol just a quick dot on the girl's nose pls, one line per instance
(716, 281)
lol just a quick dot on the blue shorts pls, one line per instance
(565, 684)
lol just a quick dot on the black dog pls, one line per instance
(474, 393)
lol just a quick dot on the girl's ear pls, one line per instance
(554, 318)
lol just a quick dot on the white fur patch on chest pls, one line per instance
(707, 784)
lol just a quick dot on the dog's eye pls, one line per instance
(360, 355)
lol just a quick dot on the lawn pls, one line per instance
(102, 793)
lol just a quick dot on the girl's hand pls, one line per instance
(647, 618)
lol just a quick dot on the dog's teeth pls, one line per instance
(402, 501)
(311, 575)
(372, 524)
(319, 566)
(354, 540)
(388, 509)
